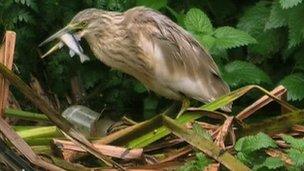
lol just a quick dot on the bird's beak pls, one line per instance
(58, 34)
(66, 30)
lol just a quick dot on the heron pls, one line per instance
(149, 46)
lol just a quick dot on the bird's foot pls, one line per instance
(185, 106)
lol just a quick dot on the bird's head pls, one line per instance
(85, 22)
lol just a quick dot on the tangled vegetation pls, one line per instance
(253, 42)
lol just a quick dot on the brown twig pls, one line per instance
(63, 148)
(6, 58)
(54, 116)
(298, 128)
(24, 148)
(263, 101)
(221, 136)
(213, 167)
(277, 153)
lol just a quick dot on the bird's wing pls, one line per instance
(182, 54)
(181, 48)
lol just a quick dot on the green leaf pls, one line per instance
(250, 144)
(228, 37)
(197, 21)
(155, 4)
(254, 19)
(273, 163)
(269, 43)
(294, 143)
(241, 72)
(202, 160)
(294, 84)
(30, 3)
(150, 105)
(269, 163)
(299, 64)
(277, 17)
(207, 41)
(254, 22)
(296, 156)
(199, 163)
(289, 3)
(296, 28)
(139, 88)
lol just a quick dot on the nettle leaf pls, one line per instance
(296, 156)
(299, 60)
(155, 4)
(289, 3)
(277, 17)
(207, 41)
(23, 16)
(273, 163)
(197, 21)
(294, 84)
(254, 22)
(269, 42)
(30, 3)
(241, 72)
(254, 143)
(269, 163)
(296, 28)
(294, 143)
(228, 37)
(254, 19)
(199, 164)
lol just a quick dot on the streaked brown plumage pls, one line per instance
(153, 49)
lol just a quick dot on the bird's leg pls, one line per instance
(185, 106)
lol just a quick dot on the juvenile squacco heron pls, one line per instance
(152, 48)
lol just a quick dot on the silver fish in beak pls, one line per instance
(74, 46)
(68, 39)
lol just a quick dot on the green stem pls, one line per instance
(25, 115)
(38, 132)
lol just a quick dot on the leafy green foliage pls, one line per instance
(199, 164)
(254, 143)
(155, 4)
(250, 150)
(197, 21)
(296, 152)
(254, 22)
(270, 163)
(277, 17)
(294, 84)
(241, 73)
(228, 37)
(249, 41)
(294, 143)
(215, 40)
(289, 3)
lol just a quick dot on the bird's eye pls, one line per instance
(83, 24)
